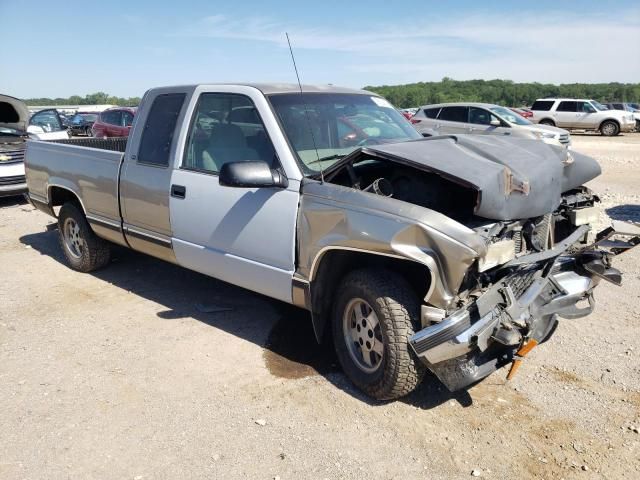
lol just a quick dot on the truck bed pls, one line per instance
(87, 167)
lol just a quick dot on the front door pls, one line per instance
(244, 236)
(585, 115)
(480, 123)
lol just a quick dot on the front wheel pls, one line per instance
(84, 250)
(87, 132)
(609, 129)
(376, 312)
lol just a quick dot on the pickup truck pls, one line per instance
(453, 253)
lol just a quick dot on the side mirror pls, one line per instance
(251, 175)
(495, 122)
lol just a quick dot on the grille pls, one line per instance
(16, 180)
(564, 138)
(521, 280)
(11, 156)
(517, 240)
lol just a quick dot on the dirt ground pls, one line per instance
(145, 370)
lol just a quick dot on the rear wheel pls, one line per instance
(546, 121)
(87, 132)
(609, 129)
(84, 250)
(376, 312)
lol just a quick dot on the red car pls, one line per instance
(114, 122)
(523, 112)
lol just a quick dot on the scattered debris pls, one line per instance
(476, 472)
(261, 421)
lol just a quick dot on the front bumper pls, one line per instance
(525, 304)
(628, 126)
(13, 189)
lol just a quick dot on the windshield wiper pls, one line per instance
(328, 157)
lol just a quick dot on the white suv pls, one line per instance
(581, 114)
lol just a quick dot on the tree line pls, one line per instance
(98, 98)
(502, 92)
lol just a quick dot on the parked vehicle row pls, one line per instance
(114, 122)
(81, 123)
(16, 127)
(582, 114)
(483, 119)
(456, 254)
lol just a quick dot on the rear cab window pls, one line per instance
(159, 129)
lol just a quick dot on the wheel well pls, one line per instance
(335, 264)
(549, 120)
(613, 120)
(59, 196)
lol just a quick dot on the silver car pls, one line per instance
(483, 119)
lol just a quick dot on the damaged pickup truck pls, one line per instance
(456, 254)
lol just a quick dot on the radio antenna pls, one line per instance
(306, 110)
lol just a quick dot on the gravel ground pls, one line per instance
(148, 371)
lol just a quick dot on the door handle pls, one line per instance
(178, 191)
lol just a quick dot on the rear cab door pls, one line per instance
(146, 173)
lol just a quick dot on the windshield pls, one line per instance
(598, 106)
(336, 124)
(510, 116)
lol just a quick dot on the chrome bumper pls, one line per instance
(457, 335)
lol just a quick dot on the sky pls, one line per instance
(58, 49)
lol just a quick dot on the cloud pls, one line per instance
(526, 46)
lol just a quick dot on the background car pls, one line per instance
(114, 122)
(626, 107)
(523, 112)
(483, 119)
(581, 114)
(81, 123)
(47, 125)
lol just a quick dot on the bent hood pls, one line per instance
(13, 113)
(515, 177)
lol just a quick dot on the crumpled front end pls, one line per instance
(520, 306)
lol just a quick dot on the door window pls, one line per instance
(226, 128)
(159, 129)
(127, 119)
(48, 120)
(113, 117)
(431, 112)
(567, 107)
(480, 116)
(585, 107)
(454, 114)
(542, 105)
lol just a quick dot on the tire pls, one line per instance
(546, 121)
(609, 128)
(87, 132)
(396, 371)
(84, 251)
